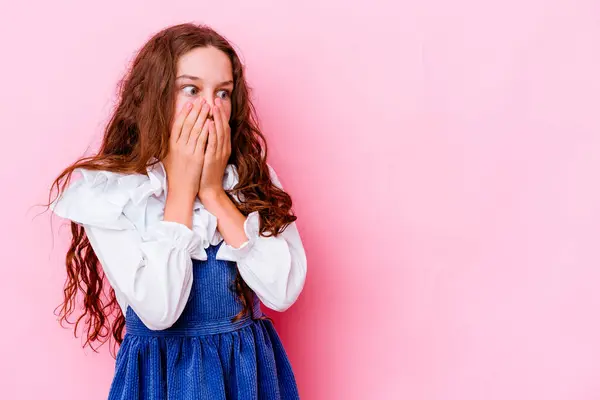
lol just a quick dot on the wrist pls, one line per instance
(181, 194)
(179, 208)
(211, 195)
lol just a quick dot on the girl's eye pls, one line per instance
(223, 94)
(191, 90)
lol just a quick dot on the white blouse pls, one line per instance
(148, 261)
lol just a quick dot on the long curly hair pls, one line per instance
(137, 131)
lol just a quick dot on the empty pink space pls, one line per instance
(443, 159)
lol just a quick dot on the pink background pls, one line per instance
(443, 157)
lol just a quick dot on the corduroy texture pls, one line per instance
(204, 355)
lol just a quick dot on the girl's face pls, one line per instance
(204, 72)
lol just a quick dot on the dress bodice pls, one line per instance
(212, 304)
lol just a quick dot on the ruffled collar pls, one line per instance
(204, 223)
(157, 172)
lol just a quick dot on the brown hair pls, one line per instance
(138, 131)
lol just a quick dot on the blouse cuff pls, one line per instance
(179, 235)
(252, 230)
(204, 222)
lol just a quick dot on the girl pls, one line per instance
(190, 226)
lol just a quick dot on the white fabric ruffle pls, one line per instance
(118, 201)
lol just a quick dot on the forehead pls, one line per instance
(207, 63)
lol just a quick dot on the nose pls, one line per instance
(211, 102)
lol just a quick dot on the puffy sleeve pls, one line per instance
(145, 259)
(273, 267)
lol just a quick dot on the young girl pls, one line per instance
(190, 226)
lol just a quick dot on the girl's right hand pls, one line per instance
(184, 160)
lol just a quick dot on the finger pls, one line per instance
(190, 121)
(200, 122)
(226, 131)
(202, 139)
(211, 146)
(218, 128)
(178, 123)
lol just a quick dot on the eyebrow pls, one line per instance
(195, 78)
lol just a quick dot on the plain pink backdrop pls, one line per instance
(443, 158)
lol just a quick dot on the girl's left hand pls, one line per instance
(216, 156)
